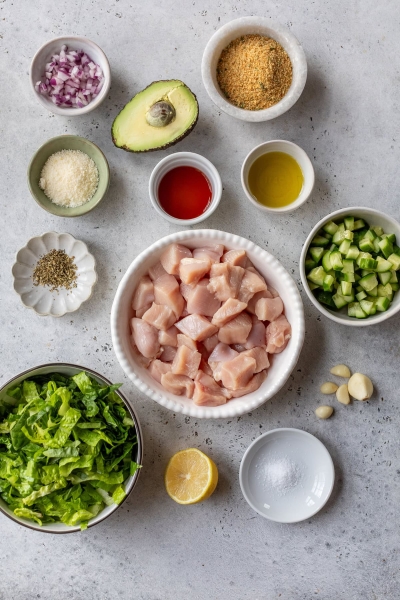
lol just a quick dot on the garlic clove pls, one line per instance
(360, 387)
(342, 394)
(328, 388)
(341, 371)
(324, 412)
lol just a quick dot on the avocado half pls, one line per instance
(157, 117)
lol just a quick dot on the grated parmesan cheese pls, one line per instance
(69, 178)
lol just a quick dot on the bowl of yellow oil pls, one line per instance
(277, 176)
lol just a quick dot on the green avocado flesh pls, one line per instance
(131, 130)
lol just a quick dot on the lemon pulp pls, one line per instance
(191, 476)
(275, 179)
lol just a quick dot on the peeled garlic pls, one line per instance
(342, 394)
(360, 386)
(324, 412)
(341, 371)
(328, 388)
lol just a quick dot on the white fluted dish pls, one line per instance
(282, 364)
(40, 298)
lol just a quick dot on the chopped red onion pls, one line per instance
(71, 79)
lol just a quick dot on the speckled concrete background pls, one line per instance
(348, 121)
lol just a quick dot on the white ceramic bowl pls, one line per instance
(372, 217)
(283, 452)
(53, 46)
(300, 157)
(185, 159)
(129, 484)
(262, 26)
(40, 298)
(281, 365)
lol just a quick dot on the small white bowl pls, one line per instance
(185, 159)
(299, 156)
(372, 217)
(39, 298)
(53, 46)
(281, 365)
(266, 459)
(262, 26)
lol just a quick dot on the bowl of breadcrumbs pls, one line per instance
(253, 70)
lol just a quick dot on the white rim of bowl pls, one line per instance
(373, 320)
(302, 197)
(197, 411)
(70, 112)
(257, 441)
(265, 114)
(199, 162)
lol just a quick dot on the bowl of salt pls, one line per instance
(286, 475)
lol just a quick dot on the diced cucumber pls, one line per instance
(386, 247)
(309, 264)
(371, 235)
(385, 290)
(346, 288)
(359, 224)
(328, 283)
(366, 245)
(376, 244)
(395, 260)
(326, 298)
(330, 227)
(344, 247)
(367, 306)
(396, 249)
(393, 277)
(348, 266)
(352, 253)
(339, 300)
(383, 265)
(357, 276)
(373, 292)
(350, 298)
(368, 282)
(395, 287)
(320, 240)
(361, 256)
(349, 223)
(391, 237)
(326, 261)
(347, 277)
(382, 304)
(361, 296)
(365, 272)
(385, 277)
(316, 253)
(368, 263)
(317, 275)
(336, 260)
(313, 286)
(354, 310)
(338, 237)
(378, 230)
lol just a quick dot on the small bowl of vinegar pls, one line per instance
(277, 176)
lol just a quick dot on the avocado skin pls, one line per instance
(165, 146)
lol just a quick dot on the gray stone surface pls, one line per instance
(348, 121)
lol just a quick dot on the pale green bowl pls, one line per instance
(67, 142)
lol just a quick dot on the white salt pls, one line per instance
(281, 474)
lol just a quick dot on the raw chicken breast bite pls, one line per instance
(253, 385)
(168, 353)
(184, 340)
(144, 294)
(186, 362)
(160, 316)
(230, 309)
(251, 306)
(201, 301)
(251, 284)
(237, 258)
(145, 337)
(196, 327)
(172, 256)
(186, 290)
(207, 392)
(269, 309)
(168, 337)
(140, 311)
(156, 271)
(260, 356)
(256, 335)
(191, 270)
(158, 368)
(211, 342)
(236, 331)
(178, 384)
(222, 353)
(237, 372)
(166, 291)
(278, 334)
(212, 253)
(225, 280)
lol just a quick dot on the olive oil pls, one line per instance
(275, 179)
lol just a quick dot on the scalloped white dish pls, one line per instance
(40, 298)
(282, 364)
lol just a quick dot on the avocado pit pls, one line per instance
(160, 114)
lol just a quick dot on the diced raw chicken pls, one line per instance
(157, 271)
(260, 356)
(168, 353)
(172, 256)
(184, 340)
(160, 316)
(186, 362)
(186, 290)
(251, 306)
(278, 334)
(230, 309)
(256, 335)
(251, 284)
(221, 353)
(139, 358)
(168, 337)
(252, 269)
(273, 291)
(253, 385)
(191, 270)
(145, 337)
(144, 294)
(158, 368)
(237, 258)
(269, 309)
(205, 367)
(140, 311)
(239, 347)
(166, 291)
(237, 372)
(210, 343)
(213, 253)
(178, 384)
(196, 327)
(201, 301)
(236, 331)
(225, 280)
(207, 392)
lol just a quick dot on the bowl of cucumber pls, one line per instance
(350, 266)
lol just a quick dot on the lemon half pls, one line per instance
(191, 476)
